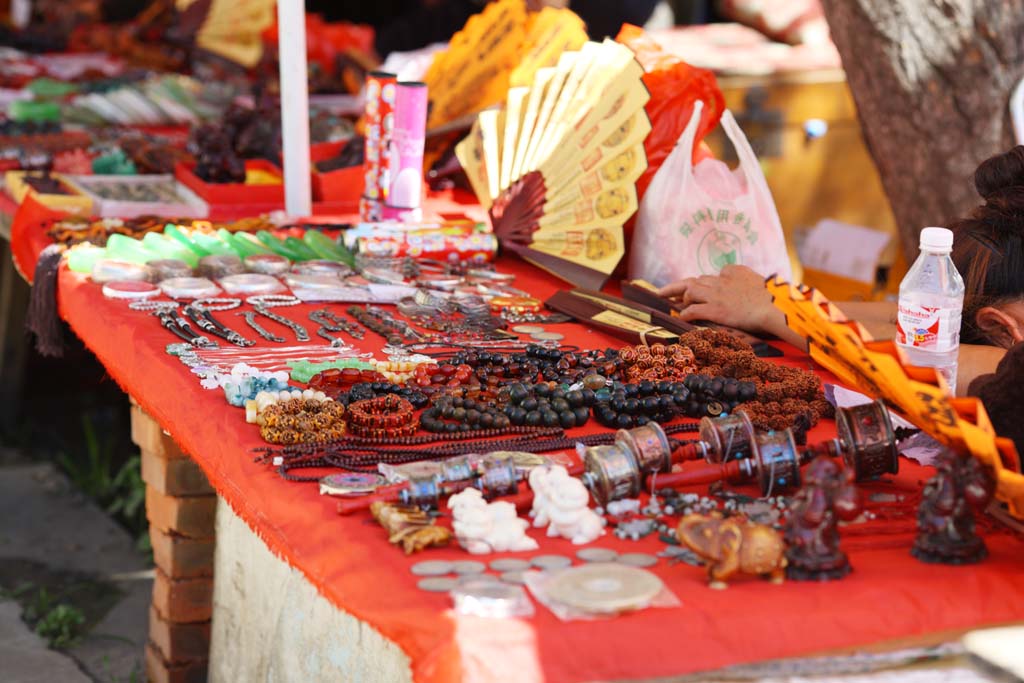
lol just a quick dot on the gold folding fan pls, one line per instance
(557, 165)
(230, 28)
(503, 45)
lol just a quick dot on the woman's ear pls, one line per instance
(1000, 328)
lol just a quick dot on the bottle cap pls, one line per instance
(937, 239)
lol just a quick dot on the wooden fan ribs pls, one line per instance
(558, 165)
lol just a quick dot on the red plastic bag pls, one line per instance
(674, 86)
(326, 42)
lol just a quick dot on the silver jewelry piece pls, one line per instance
(250, 317)
(273, 300)
(212, 304)
(300, 332)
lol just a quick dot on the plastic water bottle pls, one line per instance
(931, 303)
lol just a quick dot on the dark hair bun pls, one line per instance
(1000, 173)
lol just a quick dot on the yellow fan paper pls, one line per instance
(233, 28)
(557, 165)
(501, 46)
(919, 395)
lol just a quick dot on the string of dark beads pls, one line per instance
(367, 390)
(451, 415)
(367, 459)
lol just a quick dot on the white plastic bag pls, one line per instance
(694, 220)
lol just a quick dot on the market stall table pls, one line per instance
(290, 572)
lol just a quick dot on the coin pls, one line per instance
(548, 336)
(597, 554)
(484, 578)
(437, 584)
(432, 568)
(527, 329)
(637, 560)
(510, 564)
(468, 567)
(514, 577)
(551, 561)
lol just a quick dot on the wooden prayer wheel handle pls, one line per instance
(686, 452)
(385, 494)
(703, 474)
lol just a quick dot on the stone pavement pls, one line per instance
(54, 537)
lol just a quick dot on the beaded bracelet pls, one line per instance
(273, 300)
(384, 416)
(212, 304)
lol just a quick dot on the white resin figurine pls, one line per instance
(541, 480)
(483, 528)
(570, 516)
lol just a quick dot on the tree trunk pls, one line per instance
(932, 81)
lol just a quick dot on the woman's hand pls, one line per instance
(737, 298)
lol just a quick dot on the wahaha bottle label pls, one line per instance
(925, 327)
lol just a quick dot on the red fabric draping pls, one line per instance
(889, 595)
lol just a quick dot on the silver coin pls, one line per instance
(527, 329)
(517, 578)
(432, 568)
(637, 560)
(597, 554)
(551, 561)
(468, 567)
(510, 564)
(437, 584)
(548, 336)
(483, 578)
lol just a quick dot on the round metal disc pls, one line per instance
(527, 329)
(597, 554)
(637, 560)
(548, 336)
(437, 584)
(551, 561)
(604, 587)
(468, 567)
(432, 568)
(517, 578)
(510, 564)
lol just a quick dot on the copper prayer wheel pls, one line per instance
(868, 441)
(727, 438)
(611, 473)
(777, 461)
(498, 477)
(649, 446)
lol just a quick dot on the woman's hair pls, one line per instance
(988, 245)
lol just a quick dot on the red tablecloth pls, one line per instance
(889, 595)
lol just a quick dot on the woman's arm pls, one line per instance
(738, 298)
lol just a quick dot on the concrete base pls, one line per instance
(24, 656)
(270, 624)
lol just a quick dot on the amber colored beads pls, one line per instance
(334, 381)
(388, 416)
(301, 420)
(658, 362)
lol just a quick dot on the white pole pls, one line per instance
(291, 22)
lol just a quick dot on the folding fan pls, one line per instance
(919, 395)
(557, 166)
(502, 45)
(230, 28)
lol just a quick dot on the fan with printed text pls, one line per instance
(557, 165)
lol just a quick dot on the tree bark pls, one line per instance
(932, 81)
